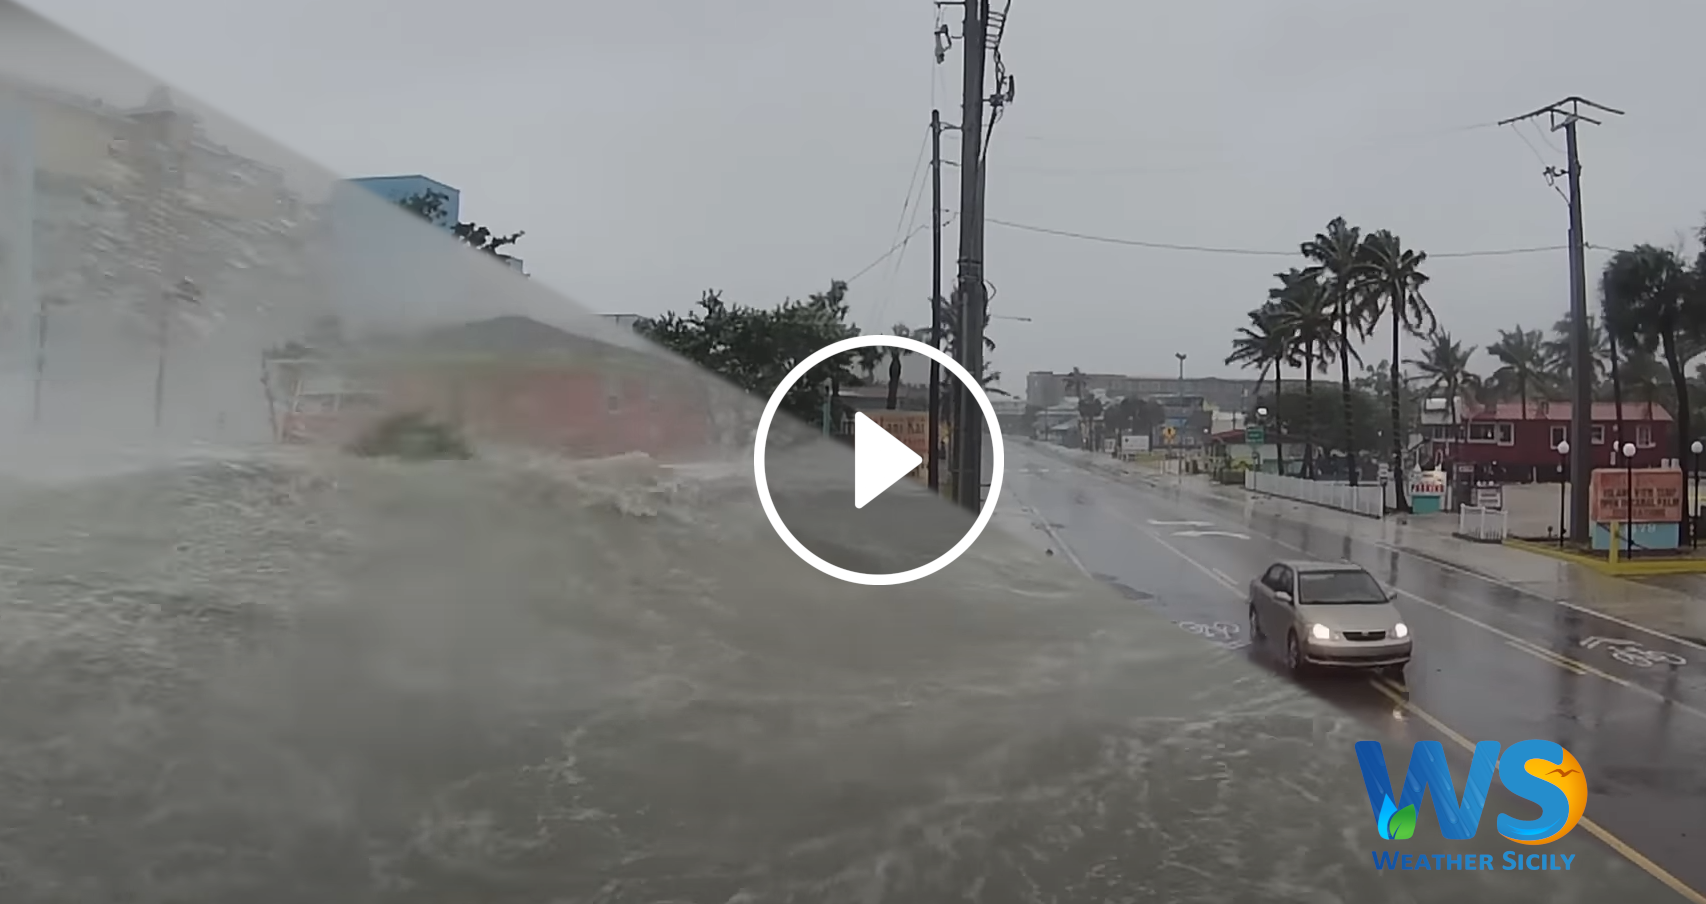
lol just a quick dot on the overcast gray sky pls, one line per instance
(763, 147)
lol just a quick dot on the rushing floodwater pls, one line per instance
(231, 674)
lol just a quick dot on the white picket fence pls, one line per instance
(1369, 500)
(1481, 523)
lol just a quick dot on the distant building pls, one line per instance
(398, 189)
(1047, 388)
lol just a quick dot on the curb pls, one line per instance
(1627, 569)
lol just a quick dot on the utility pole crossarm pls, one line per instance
(1566, 115)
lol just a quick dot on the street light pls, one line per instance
(1629, 500)
(1563, 482)
(1694, 501)
(1009, 317)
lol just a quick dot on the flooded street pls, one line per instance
(1491, 662)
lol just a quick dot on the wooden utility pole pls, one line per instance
(935, 421)
(1564, 115)
(969, 303)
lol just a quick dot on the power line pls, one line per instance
(906, 207)
(1246, 252)
(895, 248)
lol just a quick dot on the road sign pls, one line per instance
(1168, 434)
(1254, 436)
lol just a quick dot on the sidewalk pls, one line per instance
(1658, 608)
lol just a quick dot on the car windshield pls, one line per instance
(1328, 587)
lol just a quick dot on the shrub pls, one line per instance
(412, 436)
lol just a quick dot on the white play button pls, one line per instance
(878, 460)
(905, 529)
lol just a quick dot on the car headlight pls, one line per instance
(1402, 631)
(1320, 632)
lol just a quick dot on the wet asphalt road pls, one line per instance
(1492, 662)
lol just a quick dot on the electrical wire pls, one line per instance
(906, 207)
(948, 217)
(1248, 252)
(900, 257)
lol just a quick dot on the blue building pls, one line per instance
(397, 189)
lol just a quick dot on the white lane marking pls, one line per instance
(1181, 523)
(1048, 529)
(1438, 563)
(1210, 533)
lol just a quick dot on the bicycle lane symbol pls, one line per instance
(1634, 653)
(1223, 633)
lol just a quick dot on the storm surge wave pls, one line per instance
(292, 678)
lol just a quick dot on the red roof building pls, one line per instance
(1522, 444)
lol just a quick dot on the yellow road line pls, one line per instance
(1396, 695)
(1541, 653)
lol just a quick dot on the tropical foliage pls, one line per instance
(1644, 339)
(755, 348)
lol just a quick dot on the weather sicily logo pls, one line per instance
(1539, 771)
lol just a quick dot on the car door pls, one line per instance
(1279, 615)
(1265, 603)
(1286, 609)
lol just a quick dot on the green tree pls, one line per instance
(1652, 302)
(1089, 415)
(1077, 383)
(1522, 371)
(755, 348)
(1394, 280)
(894, 355)
(1337, 258)
(1444, 365)
(1306, 315)
(1561, 355)
(430, 206)
(1266, 345)
(1366, 414)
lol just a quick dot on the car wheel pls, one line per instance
(1293, 654)
(1255, 625)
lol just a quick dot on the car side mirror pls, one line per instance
(1283, 596)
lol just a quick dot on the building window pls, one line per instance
(612, 395)
(1644, 436)
(1557, 436)
(1507, 434)
(1599, 434)
(1481, 432)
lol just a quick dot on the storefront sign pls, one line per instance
(1658, 494)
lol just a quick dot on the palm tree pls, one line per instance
(1265, 344)
(1522, 367)
(1304, 315)
(1561, 353)
(1395, 281)
(1444, 364)
(1076, 383)
(1338, 259)
(1651, 302)
(1089, 409)
(894, 355)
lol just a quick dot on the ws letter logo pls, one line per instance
(1535, 770)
